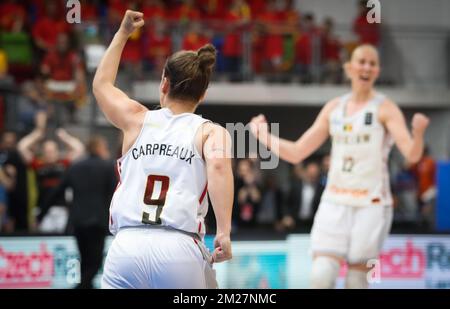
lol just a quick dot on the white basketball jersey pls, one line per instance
(163, 179)
(358, 173)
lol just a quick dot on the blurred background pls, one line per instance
(281, 58)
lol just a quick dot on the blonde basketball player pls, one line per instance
(171, 159)
(355, 213)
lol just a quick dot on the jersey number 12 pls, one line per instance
(157, 200)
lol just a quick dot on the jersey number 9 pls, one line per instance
(150, 199)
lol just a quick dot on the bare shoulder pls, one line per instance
(329, 107)
(388, 103)
(211, 133)
(210, 129)
(388, 108)
(212, 138)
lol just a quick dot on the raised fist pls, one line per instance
(131, 21)
(259, 126)
(419, 123)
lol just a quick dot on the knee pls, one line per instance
(324, 272)
(356, 279)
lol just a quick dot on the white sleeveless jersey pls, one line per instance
(358, 173)
(163, 179)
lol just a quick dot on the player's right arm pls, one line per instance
(123, 112)
(307, 144)
(217, 154)
(410, 145)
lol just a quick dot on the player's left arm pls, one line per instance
(411, 145)
(217, 154)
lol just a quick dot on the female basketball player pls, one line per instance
(171, 159)
(355, 213)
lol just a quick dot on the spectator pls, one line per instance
(304, 196)
(405, 189)
(7, 182)
(154, 9)
(255, 163)
(158, 45)
(31, 101)
(50, 167)
(236, 18)
(3, 202)
(213, 10)
(257, 7)
(366, 32)
(116, 9)
(248, 194)
(12, 16)
(425, 172)
(3, 64)
(15, 42)
(331, 54)
(273, 39)
(309, 25)
(194, 39)
(89, 11)
(17, 195)
(291, 23)
(185, 12)
(290, 14)
(258, 48)
(93, 181)
(36, 9)
(270, 211)
(49, 27)
(66, 80)
(304, 46)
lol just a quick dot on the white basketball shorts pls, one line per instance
(157, 258)
(353, 233)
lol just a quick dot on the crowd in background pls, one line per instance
(276, 35)
(45, 64)
(48, 61)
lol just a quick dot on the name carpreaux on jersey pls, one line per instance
(163, 179)
(169, 150)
